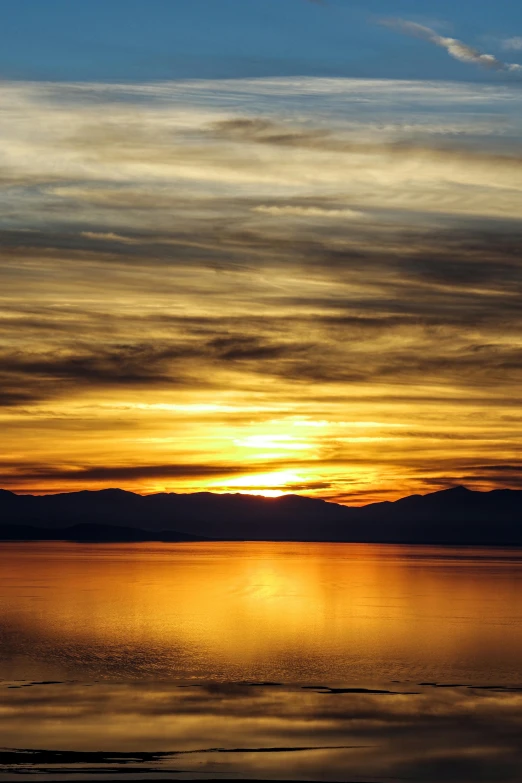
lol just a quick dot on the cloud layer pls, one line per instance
(198, 278)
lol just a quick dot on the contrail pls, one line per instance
(457, 49)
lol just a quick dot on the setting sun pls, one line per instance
(265, 484)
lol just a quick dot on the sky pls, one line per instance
(261, 246)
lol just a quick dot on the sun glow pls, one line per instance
(264, 493)
(266, 484)
(268, 442)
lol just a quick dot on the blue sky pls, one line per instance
(168, 39)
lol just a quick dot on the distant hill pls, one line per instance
(90, 533)
(452, 516)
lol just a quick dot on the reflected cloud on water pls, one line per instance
(261, 731)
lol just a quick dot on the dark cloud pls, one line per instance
(26, 376)
(447, 149)
(232, 348)
(113, 473)
(329, 359)
(443, 307)
(29, 377)
(125, 364)
(12, 395)
(267, 132)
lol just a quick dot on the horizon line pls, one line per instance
(256, 494)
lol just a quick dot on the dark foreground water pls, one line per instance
(266, 661)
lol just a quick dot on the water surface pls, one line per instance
(265, 661)
(338, 613)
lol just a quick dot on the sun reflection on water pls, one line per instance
(273, 611)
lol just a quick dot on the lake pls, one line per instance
(263, 660)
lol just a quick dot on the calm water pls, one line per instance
(251, 659)
(285, 612)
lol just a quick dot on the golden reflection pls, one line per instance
(291, 611)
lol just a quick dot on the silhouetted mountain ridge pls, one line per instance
(455, 515)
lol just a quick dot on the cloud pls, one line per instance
(108, 237)
(405, 306)
(133, 364)
(454, 47)
(123, 473)
(513, 44)
(120, 174)
(311, 211)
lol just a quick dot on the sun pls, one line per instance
(269, 485)
(265, 493)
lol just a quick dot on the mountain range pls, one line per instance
(451, 516)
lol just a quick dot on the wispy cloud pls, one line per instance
(513, 44)
(286, 210)
(457, 49)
